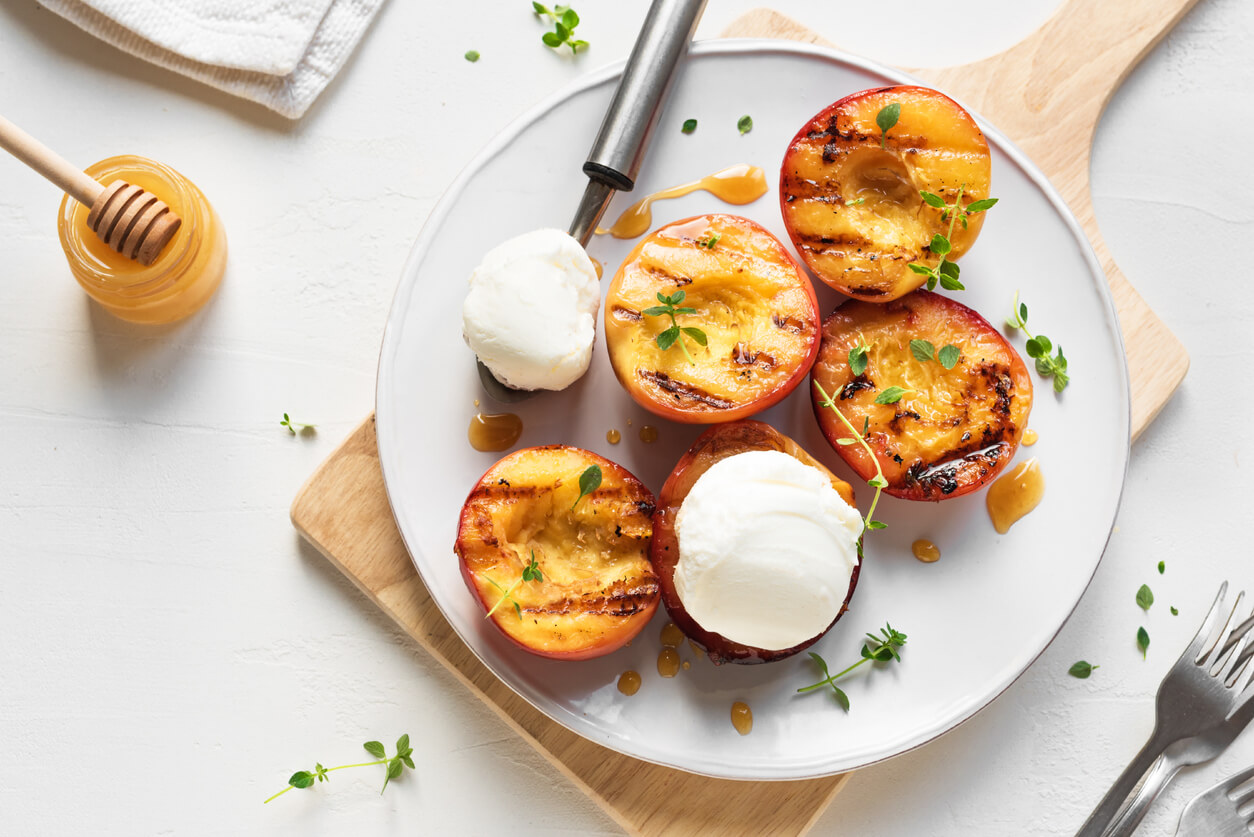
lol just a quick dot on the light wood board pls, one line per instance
(1047, 94)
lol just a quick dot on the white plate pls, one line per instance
(975, 620)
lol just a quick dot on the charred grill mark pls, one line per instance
(624, 597)
(680, 390)
(857, 385)
(663, 276)
(867, 292)
(846, 240)
(626, 313)
(743, 356)
(946, 476)
(645, 508)
(791, 324)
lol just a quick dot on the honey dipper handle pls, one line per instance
(47, 162)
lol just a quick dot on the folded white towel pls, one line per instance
(281, 53)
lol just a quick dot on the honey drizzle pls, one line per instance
(738, 185)
(648, 434)
(742, 717)
(1015, 494)
(494, 431)
(672, 636)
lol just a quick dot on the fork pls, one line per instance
(1216, 812)
(1203, 704)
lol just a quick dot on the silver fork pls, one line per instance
(1203, 704)
(1216, 812)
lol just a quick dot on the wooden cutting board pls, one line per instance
(1047, 94)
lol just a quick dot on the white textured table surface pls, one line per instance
(170, 651)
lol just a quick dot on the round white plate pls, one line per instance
(975, 620)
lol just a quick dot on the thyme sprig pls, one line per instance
(1040, 348)
(675, 334)
(946, 272)
(531, 572)
(878, 482)
(878, 649)
(395, 766)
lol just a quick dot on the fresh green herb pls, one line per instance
(472, 55)
(507, 595)
(531, 572)
(709, 240)
(690, 125)
(1082, 669)
(886, 119)
(1162, 567)
(878, 649)
(1145, 597)
(857, 358)
(1039, 347)
(304, 429)
(858, 202)
(564, 22)
(395, 766)
(892, 395)
(589, 481)
(1175, 612)
(946, 272)
(1142, 641)
(745, 124)
(878, 482)
(923, 351)
(674, 334)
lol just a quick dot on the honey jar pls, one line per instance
(185, 274)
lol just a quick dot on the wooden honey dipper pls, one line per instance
(128, 219)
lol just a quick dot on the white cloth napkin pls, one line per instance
(281, 53)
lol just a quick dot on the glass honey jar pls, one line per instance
(184, 275)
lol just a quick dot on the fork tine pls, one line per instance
(1239, 799)
(1243, 669)
(1214, 656)
(1237, 633)
(1194, 651)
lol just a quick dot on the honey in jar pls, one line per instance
(184, 275)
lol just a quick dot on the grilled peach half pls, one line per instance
(711, 446)
(755, 310)
(853, 208)
(954, 429)
(596, 588)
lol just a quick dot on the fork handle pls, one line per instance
(1112, 804)
(1161, 773)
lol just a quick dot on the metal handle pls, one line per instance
(624, 135)
(1162, 772)
(1113, 803)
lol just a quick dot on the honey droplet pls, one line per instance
(672, 635)
(668, 662)
(629, 683)
(476, 402)
(494, 431)
(1015, 494)
(1029, 437)
(597, 266)
(613, 436)
(687, 665)
(925, 551)
(648, 434)
(742, 717)
(696, 649)
(738, 185)
(629, 422)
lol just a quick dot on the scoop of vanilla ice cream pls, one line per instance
(767, 550)
(532, 309)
